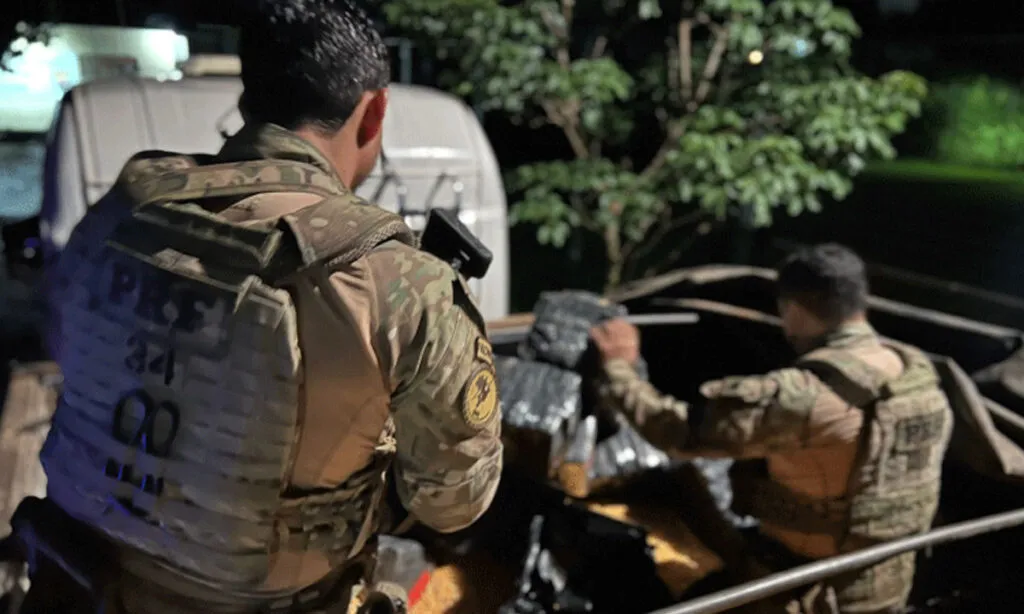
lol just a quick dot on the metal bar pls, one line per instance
(827, 568)
(663, 319)
(929, 281)
(1007, 416)
(514, 334)
(716, 307)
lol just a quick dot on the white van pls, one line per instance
(437, 154)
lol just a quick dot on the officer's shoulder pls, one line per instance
(407, 278)
(396, 259)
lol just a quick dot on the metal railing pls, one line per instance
(821, 570)
(414, 215)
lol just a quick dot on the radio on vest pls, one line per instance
(446, 237)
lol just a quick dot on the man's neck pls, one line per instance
(853, 330)
(331, 149)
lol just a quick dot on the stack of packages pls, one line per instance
(550, 432)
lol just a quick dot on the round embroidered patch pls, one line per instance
(480, 398)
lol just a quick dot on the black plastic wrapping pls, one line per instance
(561, 330)
(544, 402)
(541, 409)
(578, 561)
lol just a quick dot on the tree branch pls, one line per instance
(718, 49)
(675, 132)
(667, 225)
(568, 121)
(725, 87)
(586, 221)
(685, 43)
(691, 101)
(702, 230)
(564, 56)
(557, 29)
(565, 113)
(614, 253)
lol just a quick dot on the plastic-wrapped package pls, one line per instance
(622, 456)
(561, 330)
(577, 463)
(543, 400)
(716, 472)
(541, 409)
(403, 562)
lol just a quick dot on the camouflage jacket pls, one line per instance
(417, 321)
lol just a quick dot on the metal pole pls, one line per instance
(662, 319)
(827, 568)
(514, 334)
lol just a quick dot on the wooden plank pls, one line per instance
(24, 422)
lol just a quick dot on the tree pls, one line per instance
(674, 113)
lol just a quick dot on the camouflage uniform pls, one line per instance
(334, 351)
(853, 437)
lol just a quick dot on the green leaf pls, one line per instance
(786, 135)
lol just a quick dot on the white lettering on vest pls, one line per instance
(158, 297)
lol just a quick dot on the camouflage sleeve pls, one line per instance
(752, 416)
(661, 419)
(445, 397)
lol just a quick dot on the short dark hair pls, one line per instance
(309, 62)
(830, 280)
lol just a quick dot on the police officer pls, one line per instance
(853, 434)
(248, 348)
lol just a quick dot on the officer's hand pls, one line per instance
(617, 339)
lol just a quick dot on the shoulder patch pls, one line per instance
(480, 397)
(484, 351)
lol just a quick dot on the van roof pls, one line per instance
(425, 129)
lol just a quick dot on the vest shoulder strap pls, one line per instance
(857, 382)
(919, 372)
(336, 230)
(152, 177)
(341, 229)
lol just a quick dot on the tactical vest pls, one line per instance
(180, 415)
(894, 485)
(893, 488)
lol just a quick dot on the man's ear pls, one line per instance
(373, 117)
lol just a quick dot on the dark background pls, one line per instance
(938, 227)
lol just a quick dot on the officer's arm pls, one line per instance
(661, 419)
(752, 416)
(445, 398)
(742, 417)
